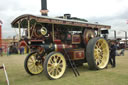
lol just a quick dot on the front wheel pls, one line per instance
(97, 53)
(33, 63)
(54, 65)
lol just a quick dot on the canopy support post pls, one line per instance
(19, 30)
(98, 33)
(53, 32)
(28, 28)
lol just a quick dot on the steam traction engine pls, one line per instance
(56, 43)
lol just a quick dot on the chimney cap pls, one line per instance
(44, 11)
(67, 16)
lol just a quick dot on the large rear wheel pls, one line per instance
(97, 53)
(54, 65)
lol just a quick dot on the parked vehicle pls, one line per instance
(56, 43)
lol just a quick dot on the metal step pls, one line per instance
(73, 65)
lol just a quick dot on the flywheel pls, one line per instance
(87, 35)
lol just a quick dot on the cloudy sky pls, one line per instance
(109, 12)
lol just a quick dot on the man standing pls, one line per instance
(112, 59)
(1, 50)
(8, 50)
(122, 51)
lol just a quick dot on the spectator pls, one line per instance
(21, 50)
(8, 49)
(112, 58)
(122, 52)
(1, 52)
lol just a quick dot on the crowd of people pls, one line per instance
(12, 50)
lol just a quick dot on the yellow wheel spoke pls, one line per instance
(40, 67)
(59, 61)
(55, 59)
(97, 62)
(36, 70)
(30, 61)
(32, 68)
(30, 65)
(96, 47)
(33, 58)
(95, 50)
(55, 71)
(50, 69)
(52, 72)
(60, 65)
(51, 61)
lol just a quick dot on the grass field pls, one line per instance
(110, 76)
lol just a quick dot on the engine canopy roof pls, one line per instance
(23, 20)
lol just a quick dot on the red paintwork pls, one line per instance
(57, 41)
(23, 43)
(76, 39)
(76, 54)
(79, 54)
(36, 40)
(0, 36)
(60, 47)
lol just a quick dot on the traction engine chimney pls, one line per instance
(44, 10)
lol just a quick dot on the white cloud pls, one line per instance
(112, 12)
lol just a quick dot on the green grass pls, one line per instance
(111, 76)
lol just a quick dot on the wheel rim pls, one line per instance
(34, 64)
(101, 53)
(56, 65)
